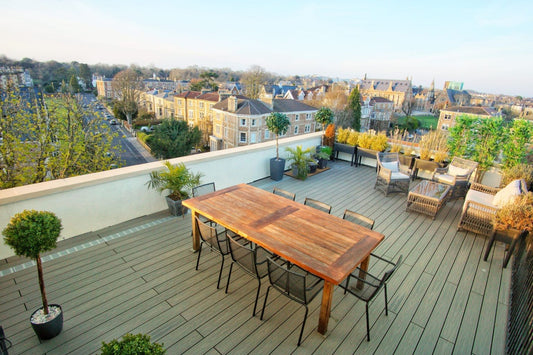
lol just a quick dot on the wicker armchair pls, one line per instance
(389, 177)
(481, 204)
(457, 174)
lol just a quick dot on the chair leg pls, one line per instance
(386, 302)
(229, 276)
(198, 259)
(220, 273)
(489, 247)
(367, 324)
(347, 284)
(303, 326)
(264, 303)
(257, 296)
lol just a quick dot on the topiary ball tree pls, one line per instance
(31, 233)
(278, 123)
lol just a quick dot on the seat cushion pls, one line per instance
(392, 166)
(454, 171)
(508, 194)
(445, 178)
(399, 176)
(479, 197)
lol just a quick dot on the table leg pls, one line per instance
(364, 267)
(195, 234)
(325, 309)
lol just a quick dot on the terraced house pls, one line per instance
(239, 121)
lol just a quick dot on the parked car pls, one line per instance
(147, 129)
(113, 122)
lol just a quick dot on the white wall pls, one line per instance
(95, 201)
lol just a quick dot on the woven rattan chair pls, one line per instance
(479, 209)
(318, 205)
(359, 219)
(457, 174)
(389, 177)
(252, 259)
(214, 239)
(286, 194)
(366, 286)
(294, 283)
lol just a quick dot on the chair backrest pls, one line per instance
(203, 189)
(286, 194)
(287, 281)
(357, 218)
(317, 204)
(210, 236)
(245, 255)
(389, 161)
(466, 167)
(388, 273)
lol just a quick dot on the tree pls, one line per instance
(354, 104)
(173, 138)
(85, 75)
(277, 123)
(516, 142)
(252, 80)
(127, 86)
(324, 116)
(74, 85)
(49, 139)
(407, 106)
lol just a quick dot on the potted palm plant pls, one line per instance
(299, 160)
(179, 181)
(277, 123)
(31, 233)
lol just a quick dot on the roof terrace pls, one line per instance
(138, 275)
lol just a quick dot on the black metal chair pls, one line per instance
(366, 286)
(203, 189)
(359, 219)
(317, 204)
(251, 258)
(294, 283)
(214, 239)
(509, 239)
(286, 194)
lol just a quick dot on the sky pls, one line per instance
(487, 45)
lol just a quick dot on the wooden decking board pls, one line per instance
(430, 336)
(409, 341)
(464, 287)
(469, 323)
(145, 282)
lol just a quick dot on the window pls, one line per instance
(243, 122)
(201, 115)
(242, 137)
(307, 128)
(308, 116)
(225, 132)
(191, 113)
(297, 117)
(267, 134)
(295, 129)
(447, 117)
(254, 122)
(217, 129)
(253, 137)
(445, 127)
(201, 104)
(179, 112)
(179, 103)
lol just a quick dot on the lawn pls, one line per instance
(425, 121)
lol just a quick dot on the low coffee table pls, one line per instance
(427, 197)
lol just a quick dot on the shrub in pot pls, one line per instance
(31, 233)
(323, 156)
(178, 180)
(299, 160)
(132, 345)
(277, 123)
(517, 215)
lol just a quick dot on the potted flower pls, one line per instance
(369, 144)
(179, 181)
(132, 345)
(516, 216)
(277, 123)
(31, 233)
(299, 160)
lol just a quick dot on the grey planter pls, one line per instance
(175, 207)
(277, 168)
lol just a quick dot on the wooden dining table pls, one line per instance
(322, 244)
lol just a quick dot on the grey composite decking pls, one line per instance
(444, 298)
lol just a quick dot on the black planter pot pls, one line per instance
(312, 168)
(322, 163)
(51, 328)
(277, 167)
(175, 207)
